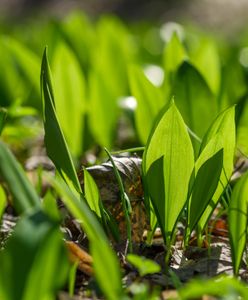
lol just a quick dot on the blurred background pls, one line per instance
(116, 63)
(226, 16)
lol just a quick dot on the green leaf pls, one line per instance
(69, 90)
(3, 116)
(204, 185)
(104, 268)
(194, 99)
(92, 194)
(149, 99)
(79, 34)
(237, 220)
(207, 60)
(55, 142)
(34, 260)
(217, 286)
(103, 111)
(3, 201)
(28, 63)
(174, 55)
(168, 163)
(221, 135)
(23, 192)
(143, 265)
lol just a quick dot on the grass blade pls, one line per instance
(104, 268)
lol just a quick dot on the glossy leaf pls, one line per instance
(149, 99)
(28, 63)
(78, 32)
(103, 111)
(34, 260)
(23, 192)
(221, 135)
(237, 219)
(194, 100)
(205, 184)
(168, 168)
(56, 146)
(207, 60)
(92, 194)
(69, 90)
(174, 55)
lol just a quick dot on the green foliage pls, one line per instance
(219, 286)
(23, 192)
(143, 265)
(91, 193)
(207, 60)
(70, 99)
(238, 212)
(220, 135)
(194, 99)
(3, 201)
(3, 116)
(149, 101)
(54, 137)
(34, 264)
(204, 186)
(167, 168)
(174, 55)
(104, 268)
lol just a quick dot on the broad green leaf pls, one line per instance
(237, 219)
(3, 201)
(69, 89)
(104, 268)
(103, 110)
(174, 55)
(204, 185)
(143, 265)
(3, 116)
(194, 99)
(207, 61)
(23, 192)
(28, 64)
(92, 193)
(113, 39)
(55, 142)
(221, 135)
(34, 260)
(168, 163)
(149, 99)
(242, 126)
(79, 34)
